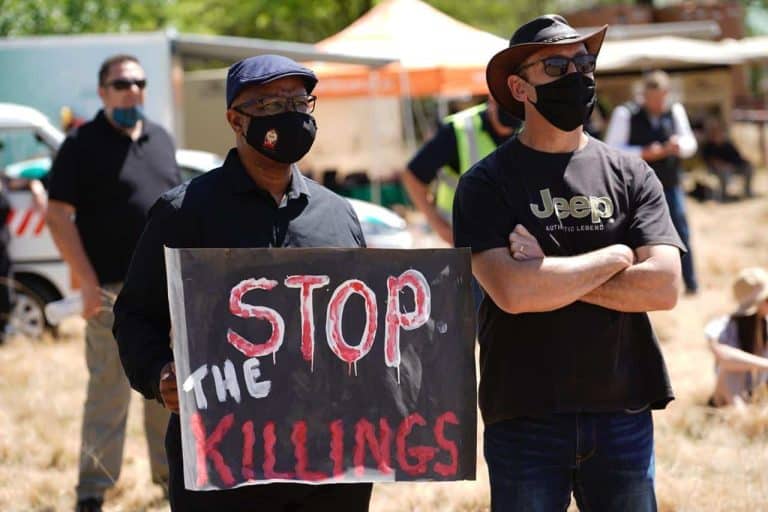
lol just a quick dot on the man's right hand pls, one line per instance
(654, 151)
(672, 146)
(169, 393)
(92, 302)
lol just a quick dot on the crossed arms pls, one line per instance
(614, 277)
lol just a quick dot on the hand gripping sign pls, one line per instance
(323, 365)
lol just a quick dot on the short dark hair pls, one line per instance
(115, 59)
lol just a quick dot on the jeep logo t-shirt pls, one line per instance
(581, 357)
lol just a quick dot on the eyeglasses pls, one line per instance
(557, 65)
(123, 84)
(277, 105)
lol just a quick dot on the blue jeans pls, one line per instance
(676, 202)
(605, 459)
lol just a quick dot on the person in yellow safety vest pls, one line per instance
(462, 139)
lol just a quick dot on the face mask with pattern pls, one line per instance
(284, 137)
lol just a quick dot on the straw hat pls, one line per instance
(750, 289)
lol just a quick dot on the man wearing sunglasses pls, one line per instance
(572, 241)
(105, 177)
(258, 198)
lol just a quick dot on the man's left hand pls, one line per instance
(523, 245)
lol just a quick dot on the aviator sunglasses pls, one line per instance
(123, 84)
(557, 65)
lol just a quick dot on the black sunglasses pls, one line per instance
(123, 84)
(557, 65)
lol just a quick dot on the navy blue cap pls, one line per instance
(263, 69)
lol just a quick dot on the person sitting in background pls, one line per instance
(723, 159)
(738, 341)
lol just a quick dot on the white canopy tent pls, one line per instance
(666, 52)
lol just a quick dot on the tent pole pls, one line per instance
(407, 110)
(373, 87)
(442, 108)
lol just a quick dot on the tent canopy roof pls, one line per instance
(417, 34)
(663, 52)
(237, 48)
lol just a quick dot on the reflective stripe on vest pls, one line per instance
(472, 144)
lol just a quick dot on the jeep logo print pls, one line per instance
(578, 207)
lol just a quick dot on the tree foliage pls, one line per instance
(497, 16)
(288, 20)
(39, 17)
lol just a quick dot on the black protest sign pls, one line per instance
(323, 365)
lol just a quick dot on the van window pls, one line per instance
(21, 144)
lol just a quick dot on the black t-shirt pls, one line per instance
(580, 357)
(442, 150)
(112, 181)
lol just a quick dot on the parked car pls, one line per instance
(28, 142)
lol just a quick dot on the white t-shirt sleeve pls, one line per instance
(617, 133)
(685, 137)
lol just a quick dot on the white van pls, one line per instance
(28, 143)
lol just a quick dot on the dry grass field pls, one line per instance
(707, 460)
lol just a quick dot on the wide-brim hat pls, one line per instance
(750, 289)
(541, 32)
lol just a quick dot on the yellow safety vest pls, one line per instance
(473, 143)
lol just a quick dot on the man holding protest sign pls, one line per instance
(571, 367)
(258, 198)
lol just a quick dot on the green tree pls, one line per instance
(500, 17)
(37, 17)
(290, 20)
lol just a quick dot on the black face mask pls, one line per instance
(284, 137)
(567, 102)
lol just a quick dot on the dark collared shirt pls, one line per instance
(223, 208)
(112, 181)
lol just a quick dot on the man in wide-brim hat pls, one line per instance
(573, 243)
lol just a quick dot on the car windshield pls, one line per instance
(20, 145)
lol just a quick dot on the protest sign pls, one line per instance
(323, 365)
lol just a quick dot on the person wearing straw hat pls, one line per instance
(739, 341)
(573, 244)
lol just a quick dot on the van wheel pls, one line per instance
(28, 315)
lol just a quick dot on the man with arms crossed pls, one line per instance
(573, 244)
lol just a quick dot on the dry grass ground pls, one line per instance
(707, 460)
